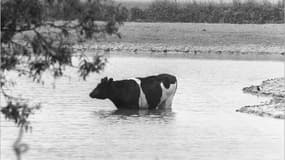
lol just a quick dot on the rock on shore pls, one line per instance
(275, 108)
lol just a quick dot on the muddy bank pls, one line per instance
(275, 108)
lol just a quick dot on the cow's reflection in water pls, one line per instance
(163, 114)
(145, 112)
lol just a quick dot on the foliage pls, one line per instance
(33, 43)
(73, 9)
(236, 12)
(162, 11)
(136, 14)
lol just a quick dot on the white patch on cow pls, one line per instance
(142, 99)
(167, 95)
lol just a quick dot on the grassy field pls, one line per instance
(219, 41)
(204, 34)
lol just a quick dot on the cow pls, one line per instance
(153, 92)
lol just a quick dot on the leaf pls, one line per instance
(65, 32)
(119, 35)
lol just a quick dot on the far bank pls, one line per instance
(244, 41)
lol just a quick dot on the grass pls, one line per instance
(200, 34)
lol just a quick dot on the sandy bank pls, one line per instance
(275, 108)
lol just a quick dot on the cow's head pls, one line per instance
(103, 89)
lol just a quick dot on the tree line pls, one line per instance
(235, 12)
(74, 9)
(171, 11)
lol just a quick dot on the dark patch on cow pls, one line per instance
(167, 80)
(152, 90)
(124, 93)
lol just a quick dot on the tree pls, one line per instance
(33, 42)
(136, 14)
(162, 10)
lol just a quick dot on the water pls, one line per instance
(203, 124)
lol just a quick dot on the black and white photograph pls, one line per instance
(142, 80)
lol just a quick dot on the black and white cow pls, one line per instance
(151, 92)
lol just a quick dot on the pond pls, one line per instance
(202, 125)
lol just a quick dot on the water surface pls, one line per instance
(202, 125)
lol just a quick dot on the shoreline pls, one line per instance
(195, 40)
(275, 108)
(184, 51)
